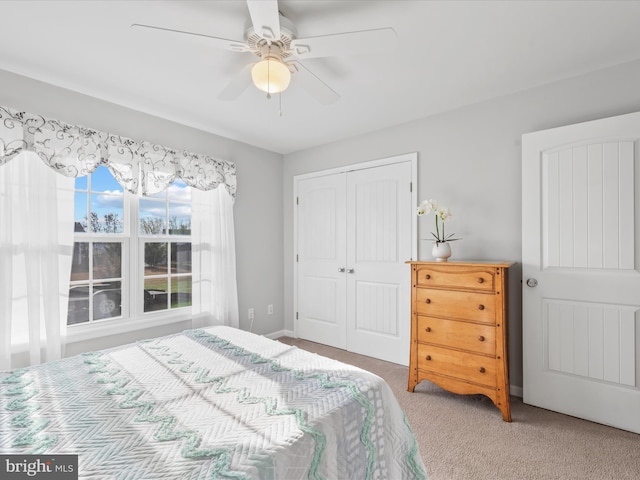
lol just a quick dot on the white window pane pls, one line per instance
(107, 300)
(78, 304)
(180, 292)
(80, 262)
(180, 257)
(156, 294)
(80, 212)
(153, 217)
(107, 260)
(179, 219)
(155, 258)
(107, 213)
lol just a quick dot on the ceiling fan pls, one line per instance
(274, 39)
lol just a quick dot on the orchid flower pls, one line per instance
(442, 214)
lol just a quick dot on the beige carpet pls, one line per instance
(463, 437)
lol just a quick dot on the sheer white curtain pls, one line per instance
(214, 288)
(39, 159)
(36, 247)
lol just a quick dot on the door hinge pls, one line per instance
(297, 200)
(411, 187)
(297, 258)
(296, 315)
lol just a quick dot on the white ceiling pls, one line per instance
(449, 54)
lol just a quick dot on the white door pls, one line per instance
(321, 260)
(378, 245)
(354, 235)
(581, 280)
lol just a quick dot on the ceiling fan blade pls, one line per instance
(237, 85)
(265, 18)
(313, 85)
(348, 43)
(224, 43)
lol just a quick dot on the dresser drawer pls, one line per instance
(479, 307)
(456, 276)
(466, 366)
(462, 335)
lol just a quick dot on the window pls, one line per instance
(163, 218)
(132, 255)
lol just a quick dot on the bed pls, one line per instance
(209, 403)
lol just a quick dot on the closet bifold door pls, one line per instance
(321, 260)
(354, 234)
(379, 215)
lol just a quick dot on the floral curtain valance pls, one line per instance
(141, 168)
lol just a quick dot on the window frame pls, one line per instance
(132, 316)
(166, 238)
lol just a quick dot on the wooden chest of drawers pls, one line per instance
(459, 329)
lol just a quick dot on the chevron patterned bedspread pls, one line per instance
(213, 403)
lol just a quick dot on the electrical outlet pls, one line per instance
(252, 314)
(270, 310)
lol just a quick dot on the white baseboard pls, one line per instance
(515, 391)
(280, 333)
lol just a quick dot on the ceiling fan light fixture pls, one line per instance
(271, 75)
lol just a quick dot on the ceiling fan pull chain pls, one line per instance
(269, 74)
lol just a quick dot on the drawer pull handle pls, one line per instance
(481, 280)
(427, 276)
(482, 370)
(428, 329)
(481, 338)
(428, 357)
(428, 300)
(480, 307)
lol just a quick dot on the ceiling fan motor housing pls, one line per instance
(281, 47)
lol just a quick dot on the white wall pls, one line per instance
(257, 210)
(469, 159)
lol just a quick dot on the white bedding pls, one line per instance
(207, 404)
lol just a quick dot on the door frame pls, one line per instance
(402, 158)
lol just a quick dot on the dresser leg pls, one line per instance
(505, 408)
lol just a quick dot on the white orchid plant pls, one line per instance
(442, 214)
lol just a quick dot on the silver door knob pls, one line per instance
(350, 270)
(341, 269)
(532, 282)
